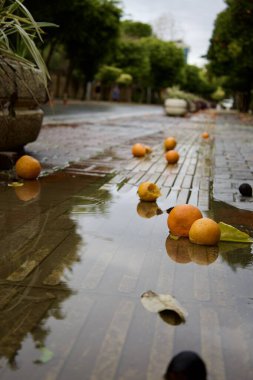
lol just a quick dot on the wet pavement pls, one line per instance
(79, 249)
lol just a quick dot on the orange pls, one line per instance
(205, 135)
(181, 218)
(28, 167)
(148, 191)
(169, 143)
(29, 190)
(172, 156)
(138, 150)
(205, 231)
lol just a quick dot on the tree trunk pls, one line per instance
(68, 78)
(242, 100)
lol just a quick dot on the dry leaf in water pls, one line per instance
(167, 306)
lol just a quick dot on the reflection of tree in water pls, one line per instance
(236, 255)
(39, 243)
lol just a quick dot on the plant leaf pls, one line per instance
(230, 233)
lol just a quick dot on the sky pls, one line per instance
(190, 20)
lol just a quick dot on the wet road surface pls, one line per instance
(79, 249)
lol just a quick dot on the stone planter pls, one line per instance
(21, 93)
(175, 107)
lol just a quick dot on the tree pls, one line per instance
(166, 62)
(195, 81)
(135, 29)
(88, 30)
(231, 50)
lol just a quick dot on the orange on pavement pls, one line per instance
(181, 218)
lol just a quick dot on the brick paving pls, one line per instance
(214, 167)
(76, 259)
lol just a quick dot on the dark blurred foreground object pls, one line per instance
(245, 189)
(186, 365)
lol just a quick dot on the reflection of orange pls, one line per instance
(138, 150)
(170, 143)
(148, 209)
(181, 218)
(28, 191)
(203, 255)
(205, 231)
(178, 250)
(172, 156)
(28, 167)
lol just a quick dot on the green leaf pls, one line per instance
(230, 233)
(45, 356)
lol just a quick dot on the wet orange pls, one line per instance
(170, 143)
(30, 190)
(27, 167)
(172, 156)
(181, 218)
(138, 150)
(205, 135)
(205, 231)
(148, 191)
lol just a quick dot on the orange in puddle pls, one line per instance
(181, 218)
(27, 167)
(205, 231)
(148, 191)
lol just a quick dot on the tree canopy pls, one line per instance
(231, 49)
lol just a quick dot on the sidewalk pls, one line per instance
(78, 251)
(206, 168)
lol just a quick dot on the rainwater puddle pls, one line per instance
(77, 254)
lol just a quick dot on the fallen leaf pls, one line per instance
(230, 233)
(45, 356)
(160, 303)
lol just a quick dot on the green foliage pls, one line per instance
(166, 62)
(125, 79)
(231, 49)
(18, 31)
(132, 57)
(175, 93)
(88, 29)
(108, 74)
(195, 81)
(135, 29)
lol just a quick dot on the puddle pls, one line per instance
(77, 253)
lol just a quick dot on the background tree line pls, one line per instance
(92, 43)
